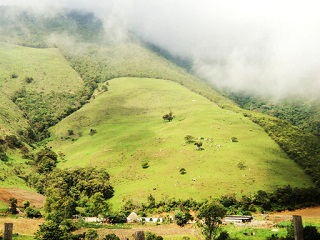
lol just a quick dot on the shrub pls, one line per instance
(145, 165)
(241, 165)
(182, 218)
(189, 139)
(182, 171)
(26, 204)
(234, 139)
(92, 234)
(92, 132)
(111, 236)
(14, 75)
(13, 206)
(33, 212)
(28, 79)
(152, 236)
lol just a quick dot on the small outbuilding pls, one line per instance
(133, 217)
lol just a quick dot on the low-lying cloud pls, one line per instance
(268, 47)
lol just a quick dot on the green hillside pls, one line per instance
(39, 81)
(130, 131)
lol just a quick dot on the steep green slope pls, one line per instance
(123, 128)
(40, 82)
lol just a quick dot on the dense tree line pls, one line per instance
(299, 112)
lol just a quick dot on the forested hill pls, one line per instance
(302, 113)
(89, 61)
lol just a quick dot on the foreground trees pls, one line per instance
(211, 213)
(83, 191)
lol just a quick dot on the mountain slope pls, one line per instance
(39, 81)
(123, 128)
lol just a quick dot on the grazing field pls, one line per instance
(123, 128)
(44, 80)
(48, 68)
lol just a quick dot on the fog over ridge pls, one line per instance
(268, 47)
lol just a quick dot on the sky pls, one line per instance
(268, 47)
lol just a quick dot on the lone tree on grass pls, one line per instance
(212, 214)
(168, 116)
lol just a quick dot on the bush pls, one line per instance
(234, 139)
(182, 171)
(145, 165)
(28, 79)
(33, 212)
(111, 236)
(14, 75)
(92, 234)
(152, 236)
(92, 132)
(116, 218)
(182, 218)
(189, 139)
(13, 206)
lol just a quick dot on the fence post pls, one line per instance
(8, 228)
(139, 235)
(298, 228)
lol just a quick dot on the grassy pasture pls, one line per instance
(51, 76)
(130, 130)
(48, 68)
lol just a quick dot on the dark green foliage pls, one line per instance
(152, 236)
(92, 234)
(228, 200)
(32, 212)
(290, 232)
(298, 112)
(28, 79)
(224, 235)
(145, 165)
(13, 206)
(67, 190)
(182, 171)
(92, 132)
(234, 139)
(182, 217)
(118, 217)
(26, 204)
(273, 237)
(13, 142)
(42, 112)
(129, 207)
(169, 116)
(310, 233)
(3, 155)
(14, 75)
(50, 230)
(211, 213)
(189, 139)
(302, 147)
(46, 160)
(111, 236)
(53, 230)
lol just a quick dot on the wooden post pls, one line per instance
(298, 229)
(139, 235)
(8, 228)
